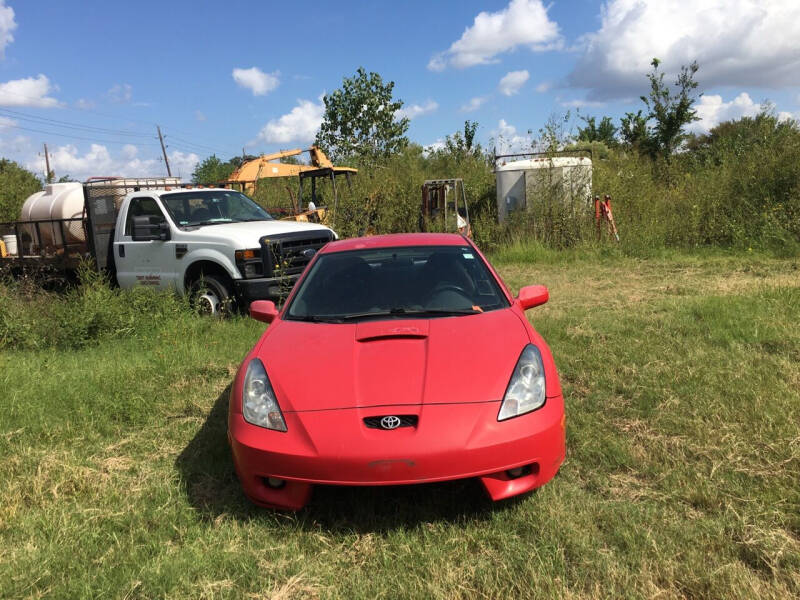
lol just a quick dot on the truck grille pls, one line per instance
(288, 254)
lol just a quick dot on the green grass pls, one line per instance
(681, 375)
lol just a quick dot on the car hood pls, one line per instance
(249, 234)
(319, 366)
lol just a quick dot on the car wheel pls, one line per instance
(212, 295)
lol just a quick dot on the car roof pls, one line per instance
(395, 240)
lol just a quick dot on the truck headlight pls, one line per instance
(526, 390)
(259, 404)
(249, 262)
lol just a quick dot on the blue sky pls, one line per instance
(94, 78)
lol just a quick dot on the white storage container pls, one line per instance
(521, 182)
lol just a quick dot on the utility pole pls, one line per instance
(47, 163)
(164, 150)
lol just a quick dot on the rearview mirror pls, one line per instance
(149, 228)
(263, 310)
(532, 295)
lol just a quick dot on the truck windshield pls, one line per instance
(395, 283)
(207, 207)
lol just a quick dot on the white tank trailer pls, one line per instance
(59, 201)
(521, 183)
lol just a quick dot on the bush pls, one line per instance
(32, 318)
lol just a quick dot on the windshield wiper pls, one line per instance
(316, 319)
(204, 223)
(405, 312)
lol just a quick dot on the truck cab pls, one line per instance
(214, 243)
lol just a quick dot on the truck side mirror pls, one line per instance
(532, 295)
(263, 310)
(148, 228)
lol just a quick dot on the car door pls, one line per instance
(153, 262)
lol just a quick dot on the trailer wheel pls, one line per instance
(212, 295)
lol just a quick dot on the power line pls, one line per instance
(195, 144)
(68, 125)
(198, 147)
(76, 137)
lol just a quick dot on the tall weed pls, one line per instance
(32, 318)
(737, 190)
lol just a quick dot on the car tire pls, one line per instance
(212, 295)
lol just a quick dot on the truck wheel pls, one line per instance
(213, 295)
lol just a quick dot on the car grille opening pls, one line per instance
(379, 423)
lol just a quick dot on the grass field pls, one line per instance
(681, 375)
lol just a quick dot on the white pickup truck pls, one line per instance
(216, 243)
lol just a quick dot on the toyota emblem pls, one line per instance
(390, 422)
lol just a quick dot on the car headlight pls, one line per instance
(259, 404)
(526, 389)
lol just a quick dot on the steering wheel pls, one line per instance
(448, 287)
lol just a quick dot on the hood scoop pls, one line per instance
(398, 328)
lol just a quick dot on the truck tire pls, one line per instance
(213, 295)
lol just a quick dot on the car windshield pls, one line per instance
(403, 282)
(208, 207)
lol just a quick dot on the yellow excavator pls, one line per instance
(247, 176)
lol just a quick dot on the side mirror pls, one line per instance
(263, 310)
(532, 295)
(150, 228)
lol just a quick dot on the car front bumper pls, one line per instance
(450, 441)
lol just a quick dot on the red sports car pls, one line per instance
(397, 359)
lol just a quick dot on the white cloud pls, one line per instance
(735, 42)
(522, 23)
(255, 80)
(299, 125)
(474, 103)
(6, 122)
(7, 25)
(183, 163)
(416, 110)
(507, 140)
(120, 93)
(32, 91)
(84, 104)
(433, 147)
(578, 103)
(18, 145)
(712, 110)
(512, 82)
(543, 87)
(98, 160)
(129, 151)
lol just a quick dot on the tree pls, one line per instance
(16, 184)
(671, 112)
(763, 133)
(461, 145)
(634, 131)
(605, 132)
(360, 119)
(212, 170)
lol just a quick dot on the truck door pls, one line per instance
(151, 263)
